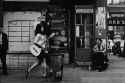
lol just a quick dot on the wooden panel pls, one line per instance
(83, 55)
(116, 9)
(101, 3)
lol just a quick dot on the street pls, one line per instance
(114, 74)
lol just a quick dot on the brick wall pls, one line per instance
(18, 58)
(19, 61)
(22, 61)
(19, 27)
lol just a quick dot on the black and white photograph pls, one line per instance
(62, 41)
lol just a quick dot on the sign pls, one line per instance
(101, 22)
(116, 22)
(117, 15)
(82, 10)
(116, 19)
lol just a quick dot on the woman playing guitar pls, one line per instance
(42, 33)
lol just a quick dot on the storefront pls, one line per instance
(84, 32)
(116, 24)
(78, 19)
(19, 22)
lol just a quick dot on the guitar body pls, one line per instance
(35, 50)
(40, 43)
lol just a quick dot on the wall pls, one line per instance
(101, 3)
(20, 29)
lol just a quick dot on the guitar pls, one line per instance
(41, 42)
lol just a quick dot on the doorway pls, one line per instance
(84, 32)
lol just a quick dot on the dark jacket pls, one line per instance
(46, 31)
(4, 46)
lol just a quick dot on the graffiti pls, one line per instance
(100, 21)
(101, 18)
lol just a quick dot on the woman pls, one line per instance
(42, 30)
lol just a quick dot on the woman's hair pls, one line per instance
(99, 39)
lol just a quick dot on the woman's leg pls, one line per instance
(35, 64)
(31, 68)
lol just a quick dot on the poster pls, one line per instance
(77, 31)
(101, 22)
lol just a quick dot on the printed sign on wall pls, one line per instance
(116, 19)
(101, 22)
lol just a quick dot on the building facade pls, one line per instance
(115, 21)
(19, 19)
(90, 23)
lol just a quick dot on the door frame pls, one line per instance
(93, 28)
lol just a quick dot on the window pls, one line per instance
(116, 2)
(78, 19)
(84, 25)
(19, 30)
(20, 34)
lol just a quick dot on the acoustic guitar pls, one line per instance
(40, 43)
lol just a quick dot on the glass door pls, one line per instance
(83, 35)
(84, 29)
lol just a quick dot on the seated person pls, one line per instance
(98, 57)
(99, 46)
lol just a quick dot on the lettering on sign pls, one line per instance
(84, 10)
(117, 15)
(116, 19)
(116, 22)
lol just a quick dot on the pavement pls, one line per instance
(114, 74)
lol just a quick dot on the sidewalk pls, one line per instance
(71, 75)
(114, 74)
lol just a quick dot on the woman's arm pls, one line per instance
(95, 49)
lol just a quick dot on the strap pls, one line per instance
(37, 45)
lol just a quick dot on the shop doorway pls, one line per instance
(116, 31)
(116, 34)
(84, 25)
